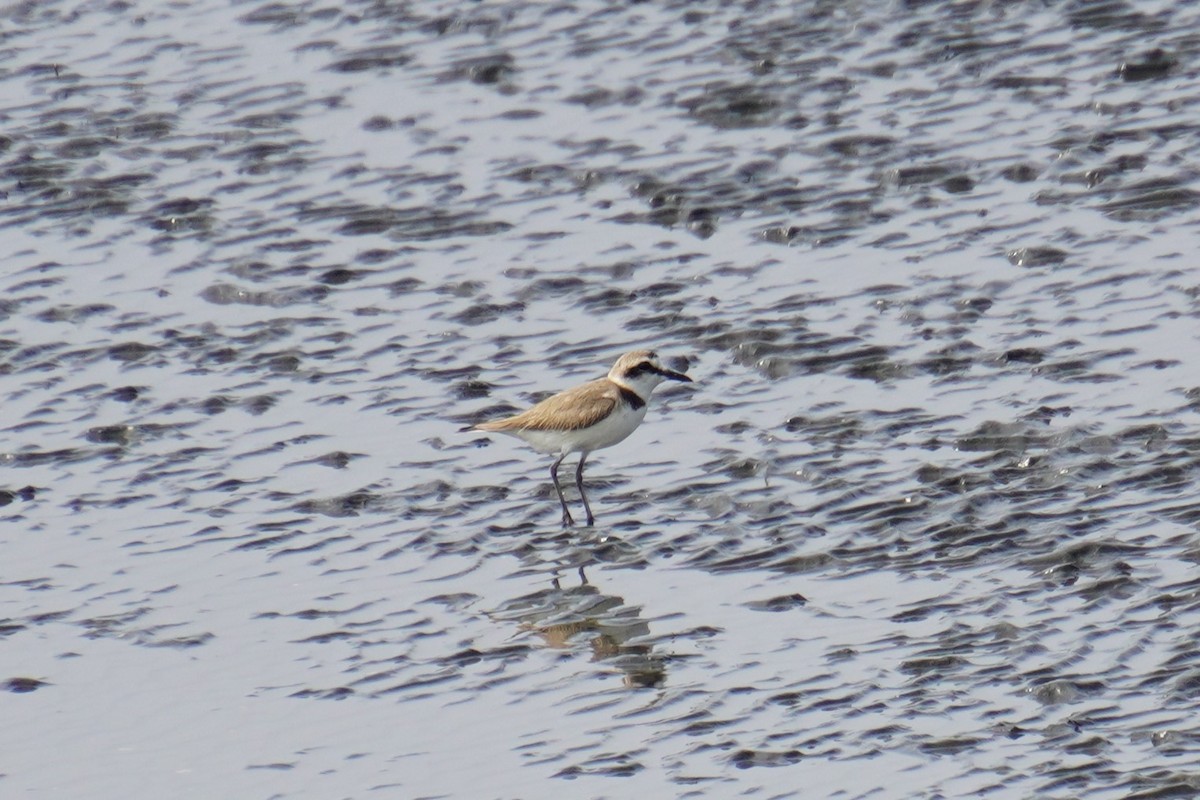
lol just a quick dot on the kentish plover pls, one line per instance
(588, 417)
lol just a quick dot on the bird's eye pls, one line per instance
(641, 368)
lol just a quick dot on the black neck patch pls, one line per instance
(631, 397)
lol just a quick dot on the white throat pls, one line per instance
(642, 385)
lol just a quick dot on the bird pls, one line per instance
(588, 417)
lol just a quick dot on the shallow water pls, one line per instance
(925, 526)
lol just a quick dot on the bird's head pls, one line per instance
(641, 371)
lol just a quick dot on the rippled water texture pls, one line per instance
(925, 526)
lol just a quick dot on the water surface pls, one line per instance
(924, 527)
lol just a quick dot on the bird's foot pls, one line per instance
(567, 522)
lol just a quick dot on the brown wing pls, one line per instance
(575, 408)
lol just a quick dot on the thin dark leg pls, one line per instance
(567, 521)
(579, 485)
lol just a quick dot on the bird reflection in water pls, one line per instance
(564, 618)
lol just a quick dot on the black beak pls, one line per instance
(675, 376)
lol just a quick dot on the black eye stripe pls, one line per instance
(642, 368)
